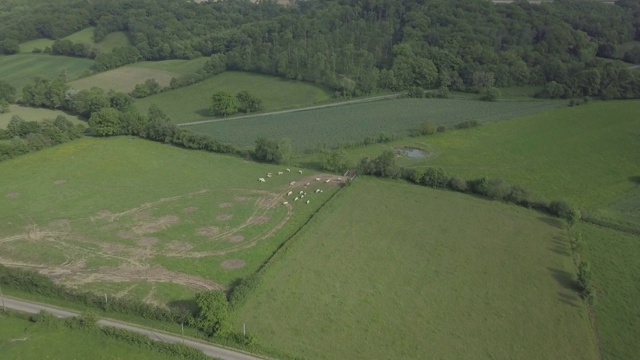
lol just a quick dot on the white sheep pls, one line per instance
(299, 171)
(262, 180)
(318, 179)
(269, 175)
(289, 193)
(280, 173)
(328, 180)
(301, 192)
(292, 183)
(307, 184)
(307, 201)
(288, 170)
(285, 203)
(302, 196)
(339, 179)
(296, 199)
(317, 191)
(321, 191)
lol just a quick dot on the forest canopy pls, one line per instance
(358, 46)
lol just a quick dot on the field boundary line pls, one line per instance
(308, 108)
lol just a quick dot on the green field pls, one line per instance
(165, 222)
(34, 114)
(123, 79)
(335, 125)
(192, 103)
(23, 340)
(422, 274)
(85, 36)
(615, 263)
(29, 46)
(182, 67)
(20, 69)
(586, 155)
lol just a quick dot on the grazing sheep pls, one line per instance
(318, 179)
(317, 191)
(302, 196)
(289, 193)
(307, 184)
(299, 171)
(285, 203)
(339, 179)
(328, 180)
(269, 175)
(288, 170)
(301, 192)
(296, 199)
(280, 173)
(307, 201)
(292, 183)
(321, 191)
(262, 180)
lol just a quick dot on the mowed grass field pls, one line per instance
(182, 67)
(343, 124)
(23, 340)
(135, 217)
(615, 264)
(192, 103)
(587, 155)
(20, 69)
(34, 114)
(123, 79)
(390, 270)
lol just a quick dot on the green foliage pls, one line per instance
(223, 104)
(7, 92)
(45, 319)
(334, 160)
(118, 57)
(490, 94)
(212, 313)
(45, 93)
(467, 124)
(4, 107)
(272, 151)
(247, 102)
(105, 122)
(428, 128)
(142, 341)
(9, 46)
(241, 291)
(150, 87)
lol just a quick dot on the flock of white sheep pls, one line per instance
(301, 194)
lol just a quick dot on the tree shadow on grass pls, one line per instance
(559, 246)
(635, 179)
(568, 299)
(557, 223)
(188, 305)
(564, 278)
(205, 113)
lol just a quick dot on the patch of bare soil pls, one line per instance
(233, 264)
(59, 182)
(241, 198)
(225, 205)
(158, 225)
(208, 231)
(103, 214)
(179, 246)
(13, 195)
(126, 234)
(224, 217)
(143, 215)
(147, 241)
(62, 223)
(190, 209)
(259, 220)
(236, 238)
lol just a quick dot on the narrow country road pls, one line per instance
(208, 349)
(342, 103)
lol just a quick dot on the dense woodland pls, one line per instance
(359, 46)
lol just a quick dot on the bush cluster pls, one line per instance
(586, 288)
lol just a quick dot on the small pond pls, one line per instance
(412, 153)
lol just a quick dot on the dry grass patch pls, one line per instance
(59, 182)
(190, 210)
(147, 241)
(158, 225)
(126, 234)
(208, 231)
(179, 246)
(233, 264)
(259, 220)
(13, 195)
(224, 217)
(225, 205)
(236, 238)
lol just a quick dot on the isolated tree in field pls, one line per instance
(277, 152)
(428, 128)
(223, 104)
(105, 122)
(212, 312)
(490, 94)
(248, 103)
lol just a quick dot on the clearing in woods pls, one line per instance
(123, 79)
(422, 273)
(20, 69)
(192, 103)
(34, 114)
(85, 36)
(166, 222)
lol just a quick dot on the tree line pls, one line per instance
(362, 46)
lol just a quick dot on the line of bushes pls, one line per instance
(495, 189)
(87, 322)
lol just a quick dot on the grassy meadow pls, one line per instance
(20, 69)
(615, 264)
(21, 339)
(586, 155)
(123, 79)
(152, 220)
(182, 67)
(85, 36)
(332, 126)
(422, 274)
(192, 103)
(34, 114)
(29, 46)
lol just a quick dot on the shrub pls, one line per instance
(441, 128)
(45, 319)
(435, 177)
(427, 128)
(490, 94)
(241, 291)
(467, 124)
(458, 184)
(416, 92)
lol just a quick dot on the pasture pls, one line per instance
(159, 225)
(34, 114)
(20, 69)
(586, 155)
(21, 339)
(615, 264)
(85, 36)
(29, 46)
(123, 79)
(182, 67)
(344, 124)
(192, 103)
(422, 273)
